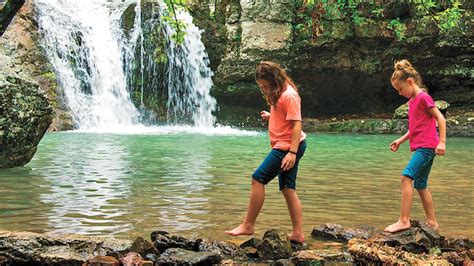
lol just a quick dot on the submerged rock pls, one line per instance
(25, 115)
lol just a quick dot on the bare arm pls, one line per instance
(396, 143)
(290, 159)
(441, 148)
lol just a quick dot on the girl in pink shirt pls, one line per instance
(288, 146)
(424, 143)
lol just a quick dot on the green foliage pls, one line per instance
(448, 15)
(398, 28)
(158, 36)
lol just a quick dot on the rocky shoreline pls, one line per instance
(360, 245)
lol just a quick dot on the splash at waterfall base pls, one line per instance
(331, 243)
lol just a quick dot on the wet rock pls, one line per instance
(457, 244)
(145, 248)
(223, 248)
(131, 259)
(164, 240)
(39, 249)
(22, 54)
(102, 261)
(249, 247)
(187, 257)
(252, 242)
(419, 238)
(25, 115)
(275, 245)
(7, 11)
(339, 233)
(281, 262)
(368, 252)
(306, 257)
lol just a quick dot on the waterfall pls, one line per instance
(189, 77)
(96, 64)
(82, 42)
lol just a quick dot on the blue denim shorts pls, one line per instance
(271, 167)
(419, 167)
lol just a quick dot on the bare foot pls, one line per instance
(433, 226)
(296, 237)
(241, 230)
(398, 226)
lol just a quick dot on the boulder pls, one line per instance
(224, 249)
(144, 248)
(306, 257)
(419, 238)
(402, 111)
(339, 233)
(275, 245)
(19, 248)
(25, 115)
(163, 240)
(367, 252)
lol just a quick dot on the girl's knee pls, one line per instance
(405, 179)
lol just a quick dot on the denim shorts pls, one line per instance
(271, 167)
(419, 167)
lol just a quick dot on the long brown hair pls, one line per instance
(276, 76)
(403, 70)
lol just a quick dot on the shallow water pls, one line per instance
(198, 184)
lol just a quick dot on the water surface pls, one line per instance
(198, 184)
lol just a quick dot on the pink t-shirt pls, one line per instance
(281, 119)
(421, 124)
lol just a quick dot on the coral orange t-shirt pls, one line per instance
(288, 109)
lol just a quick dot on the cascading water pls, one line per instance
(189, 77)
(85, 47)
(97, 63)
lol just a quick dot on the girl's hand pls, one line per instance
(288, 161)
(440, 149)
(265, 115)
(395, 145)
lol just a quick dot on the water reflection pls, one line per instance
(86, 179)
(130, 185)
(184, 180)
(20, 189)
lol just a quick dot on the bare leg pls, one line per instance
(257, 196)
(296, 214)
(428, 205)
(407, 198)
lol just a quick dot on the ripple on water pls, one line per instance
(132, 184)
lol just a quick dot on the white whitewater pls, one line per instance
(94, 61)
(85, 47)
(189, 77)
